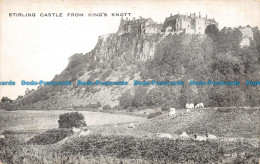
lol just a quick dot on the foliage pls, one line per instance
(130, 109)
(165, 107)
(6, 99)
(107, 107)
(153, 115)
(139, 97)
(70, 120)
(162, 150)
(212, 30)
(126, 99)
(50, 136)
(8, 149)
(119, 149)
(217, 57)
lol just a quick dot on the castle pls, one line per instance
(189, 24)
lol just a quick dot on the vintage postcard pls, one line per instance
(128, 81)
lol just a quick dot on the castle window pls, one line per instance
(188, 25)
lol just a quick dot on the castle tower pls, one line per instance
(120, 30)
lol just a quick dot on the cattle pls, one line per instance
(164, 135)
(2, 136)
(210, 136)
(200, 105)
(187, 105)
(84, 133)
(172, 109)
(131, 125)
(190, 106)
(75, 130)
(199, 138)
(184, 135)
(172, 112)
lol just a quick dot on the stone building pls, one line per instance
(139, 26)
(190, 24)
(153, 29)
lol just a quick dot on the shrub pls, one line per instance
(165, 108)
(139, 97)
(107, 107)
(70, 120)
(153, 115)
(130, 109)
(126, 99)
(50, 136)
(93, 106)
(118, 107)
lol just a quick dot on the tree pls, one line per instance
(212, 30)
(139, 97)
(70, 120)
(126, 99)
(6, 99)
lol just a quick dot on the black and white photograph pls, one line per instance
(129, 81)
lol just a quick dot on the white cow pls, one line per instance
(172, 109)
(131, 125)
(184, 135)
(187, 105)
(164, 135)
(2, 136)
(75, 130)
(200, 105)
(201, 138)
(84, 133)
(187, 110)
(210, 137)
(190, 106)
(172, 113)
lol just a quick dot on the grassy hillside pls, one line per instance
(222, 122)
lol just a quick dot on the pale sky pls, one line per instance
(38, 48)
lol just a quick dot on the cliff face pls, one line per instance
(113, 59)
(132, 46)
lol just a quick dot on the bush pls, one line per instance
(126, 99)
(118, 107)
(130, 109)
(153, 115)
(50, 136)
(165, 108)
(164, 150)
(70, 120)
(107, 107)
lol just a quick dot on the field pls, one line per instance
(237, 131)
(27, 123)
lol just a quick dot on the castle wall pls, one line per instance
(185, 23)
(190, 31)
(151, 30)
(199, 26)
